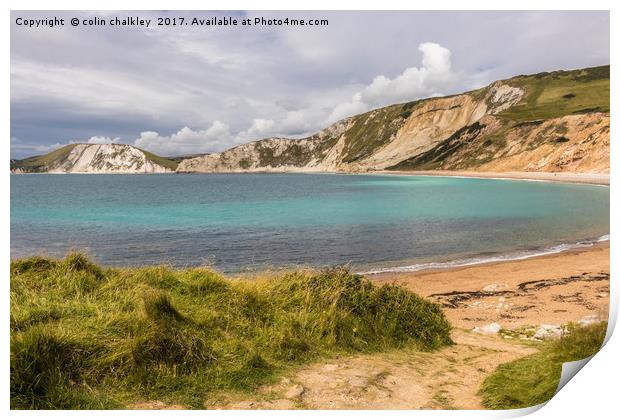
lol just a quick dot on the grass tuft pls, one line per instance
(160, 308)
(46, 372)
(87, 337)
(533, 380)
(78, 262)
(34, 264)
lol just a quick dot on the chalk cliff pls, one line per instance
(95, 159)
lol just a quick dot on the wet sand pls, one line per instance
(550, 289)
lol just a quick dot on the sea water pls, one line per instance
(238, 222)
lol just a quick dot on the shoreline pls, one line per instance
(563, 177)
(496, 259)
(605, 244)
(557, 289)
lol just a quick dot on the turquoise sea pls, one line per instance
(237, 222)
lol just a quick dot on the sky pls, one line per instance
(179, 90)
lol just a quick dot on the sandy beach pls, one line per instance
(551, 289)
(579, 178)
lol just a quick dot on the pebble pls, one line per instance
(495, 287)
(549, 332)
(589, 320)
(488, 329)
(294, 392)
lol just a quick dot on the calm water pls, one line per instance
(243, 221)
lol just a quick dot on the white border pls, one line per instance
(592, 394)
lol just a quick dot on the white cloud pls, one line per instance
(102, 140)
(295, 122)
(186, 140)
(29, 149)
(261, 125)
(434, 76)
(347, 109)
(260, 128)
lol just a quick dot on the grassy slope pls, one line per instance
(552, 95)
(165, 162)
(534, 379)
(41, 163)
(547, 96)
(87, 337)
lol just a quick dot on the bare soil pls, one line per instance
(446, 379)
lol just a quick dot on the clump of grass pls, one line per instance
(32, 264)
(534, 379)
(87, 337)
(78, 262)
(159, 307)
(47, 372)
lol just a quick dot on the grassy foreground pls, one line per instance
(534, 379)
(83, 336)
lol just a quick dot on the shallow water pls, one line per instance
(255, 221)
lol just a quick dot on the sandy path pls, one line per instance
(552, 289)
(448, 378)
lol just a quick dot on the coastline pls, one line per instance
(550, 289)
(566, 177)
(563, 177)
(476, 261)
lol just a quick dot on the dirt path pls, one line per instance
(448, 378)
(553, 289)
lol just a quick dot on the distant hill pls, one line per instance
(95, 158)
(556, 121)
(547, 122)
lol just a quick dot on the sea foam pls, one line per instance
(515, 256)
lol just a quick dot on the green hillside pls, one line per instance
(547, 96)
(165, 162)
(559, 93)
(42, 162)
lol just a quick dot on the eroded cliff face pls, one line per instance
(555, 121)
(370, 141)
(273, 154)
(432, 121)
(106, 159)
(573, 143)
